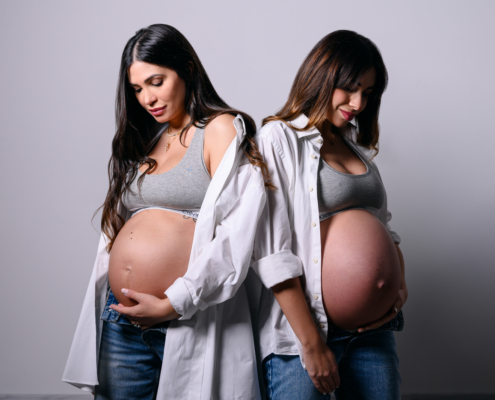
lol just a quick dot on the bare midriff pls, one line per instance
(360, 269)
(150, 252)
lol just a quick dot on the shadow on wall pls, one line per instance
(448, 327)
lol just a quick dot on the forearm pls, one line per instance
(290, 297)
(403, 285)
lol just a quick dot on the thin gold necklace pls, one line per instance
(173, 136)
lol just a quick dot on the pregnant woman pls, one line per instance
(319, 149)
(184, 192)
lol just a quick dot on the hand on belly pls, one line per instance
(150, 252)
(360, 269)
(148, 311)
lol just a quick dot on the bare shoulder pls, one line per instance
(219, 134)
(221, 129)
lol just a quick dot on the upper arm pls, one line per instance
(219, 134)
(274, 261)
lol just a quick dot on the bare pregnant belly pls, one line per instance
(150, 252)
(360, 269)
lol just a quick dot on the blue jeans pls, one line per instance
(130, 359)
(368, 367)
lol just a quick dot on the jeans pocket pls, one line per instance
(108, 314)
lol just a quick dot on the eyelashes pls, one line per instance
(156, 84)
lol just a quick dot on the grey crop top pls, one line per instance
(338, 191)
(182, 188)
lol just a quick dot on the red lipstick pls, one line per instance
(157, 111)
(348, 115)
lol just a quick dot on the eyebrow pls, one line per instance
(147, 80)
(371, 87)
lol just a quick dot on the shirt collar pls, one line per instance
(301, 121)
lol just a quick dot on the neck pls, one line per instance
(178, 123)
(328, 130)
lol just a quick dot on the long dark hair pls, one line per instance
(337, 61)
(135, 135)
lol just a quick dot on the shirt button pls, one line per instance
(310, 188)
(313, 224)
(316, 297)
(322, 325)
(315, 260)
(313, 156)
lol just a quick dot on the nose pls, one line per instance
(357, 102)
(149, 98)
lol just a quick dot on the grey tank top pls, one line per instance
(182, 188)
(338, 191)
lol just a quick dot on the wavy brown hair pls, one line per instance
(337, 61)
(136, 134)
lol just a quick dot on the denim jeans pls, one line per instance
(130, 359)
(368, 367)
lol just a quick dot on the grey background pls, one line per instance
(59, 63)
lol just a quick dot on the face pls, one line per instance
(345, 105)
(159, 90)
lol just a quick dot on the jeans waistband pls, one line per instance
(397, 324)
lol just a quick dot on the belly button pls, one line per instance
(128, 269)
(381, 284)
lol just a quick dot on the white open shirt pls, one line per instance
(292, 157)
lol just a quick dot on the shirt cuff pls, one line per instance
(278, 267)
(181, 299)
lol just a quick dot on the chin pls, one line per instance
(161, 119)
(340, 124)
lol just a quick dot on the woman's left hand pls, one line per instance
(149, 311)
(399, 303)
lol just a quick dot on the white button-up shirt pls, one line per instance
(209, 353)
(292, 157)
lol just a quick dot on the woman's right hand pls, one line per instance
(319, 359)
(321, 366)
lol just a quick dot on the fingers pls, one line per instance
(323, 386)
(336, 378)
(122, 309)
(388, 317)
(326, 386)
(128, 311)
(398, 305)
(327, 382)
(132, 294)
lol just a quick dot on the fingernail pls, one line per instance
(125, 291)
(396, 311)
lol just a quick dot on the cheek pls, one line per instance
(339, 97)
(173, 92)
(365, 102)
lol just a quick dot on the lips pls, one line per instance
(348, 115)
(157, 111)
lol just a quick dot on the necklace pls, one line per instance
(167, 147)
(171, 135)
